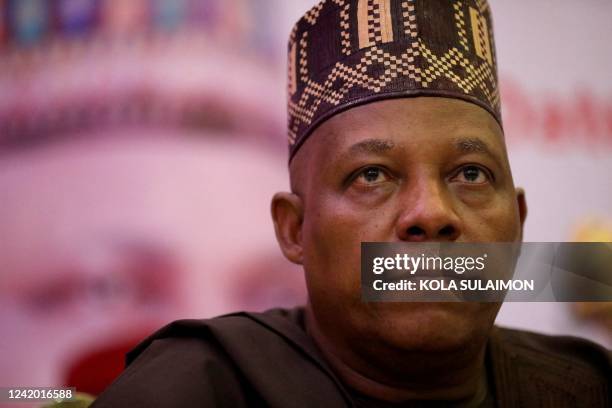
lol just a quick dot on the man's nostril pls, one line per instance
(414, 230)
(447, 231)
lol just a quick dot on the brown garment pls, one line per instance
(267, 359)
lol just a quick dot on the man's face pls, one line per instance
(419, 169)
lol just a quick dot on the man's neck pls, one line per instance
(453, 376)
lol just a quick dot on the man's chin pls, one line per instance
(432, 326)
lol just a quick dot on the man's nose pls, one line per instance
(427, 214)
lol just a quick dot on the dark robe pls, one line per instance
(267, 359)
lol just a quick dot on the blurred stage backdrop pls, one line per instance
(141, 142)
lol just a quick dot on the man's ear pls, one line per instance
(522, 207)
(288, 213)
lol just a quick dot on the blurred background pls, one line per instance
(141, 142)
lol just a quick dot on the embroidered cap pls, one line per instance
(344, 53)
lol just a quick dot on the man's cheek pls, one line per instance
(362, 225)
(336, 251)
(495, 224)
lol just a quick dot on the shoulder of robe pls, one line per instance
(177, 371)
(551, 371)
(253, 358)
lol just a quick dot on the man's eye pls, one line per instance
(371, 175)
(472, 175)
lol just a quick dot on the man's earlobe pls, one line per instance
(522, 207)
(287, 214)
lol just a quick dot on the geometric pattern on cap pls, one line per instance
(465, 68)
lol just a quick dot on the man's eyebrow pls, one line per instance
(470, 145)
(372, 146)
(476, 145)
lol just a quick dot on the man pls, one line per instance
(395, 135)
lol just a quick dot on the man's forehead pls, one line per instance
(379, 126)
